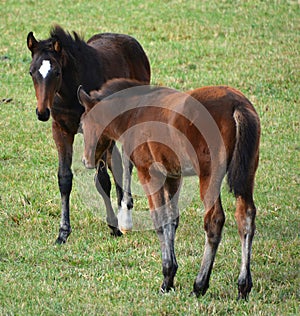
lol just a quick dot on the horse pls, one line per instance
(59, 65)
(209, 132)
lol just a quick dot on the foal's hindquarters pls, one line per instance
(214, 133)
(237, 155)
(214, 219)
(239, 128)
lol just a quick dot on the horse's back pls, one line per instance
(218, 95)
(123, 52)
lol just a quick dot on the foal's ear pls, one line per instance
(84, 99)
(31, 41)
(57, 46)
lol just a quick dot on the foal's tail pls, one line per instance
(244, 159)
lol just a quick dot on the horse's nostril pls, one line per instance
(44, 116)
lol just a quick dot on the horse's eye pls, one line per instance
(30, 73)
(57, 73)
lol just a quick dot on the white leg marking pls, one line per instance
(45, 68)
(125, 218)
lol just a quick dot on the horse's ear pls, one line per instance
(57, 46)
(84, 99)
(31, 41)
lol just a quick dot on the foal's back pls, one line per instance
(115, 49)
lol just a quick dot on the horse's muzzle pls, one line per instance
(87, 164)
(43, 116)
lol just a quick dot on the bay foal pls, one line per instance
(210, 131)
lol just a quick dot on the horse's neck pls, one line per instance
(83, 69)
(115, 128)
(66, 97)
(70, 72)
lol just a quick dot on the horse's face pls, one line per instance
(89, 158)
(46, 73)
(95, 143)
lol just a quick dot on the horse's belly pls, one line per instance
(180, 167)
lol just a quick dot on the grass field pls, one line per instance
(251, 45)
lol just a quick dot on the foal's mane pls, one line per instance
(71, 44)
(65, 38)
(115, 85)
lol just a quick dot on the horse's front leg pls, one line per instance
(64, 144)
(103, 185)
(125, 210)
(245, 217)
(114, 162)
(164, 212)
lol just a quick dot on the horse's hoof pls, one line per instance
(125, 219)
(244, 287)
(167, 288)
(243, 296)
(200, 288)
(115, 231)
(59, 241)
(193, 294)
(125, 230)
(63, 236)
(170, 290)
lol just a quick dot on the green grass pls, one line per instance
(251, 45)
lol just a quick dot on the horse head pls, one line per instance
(46, 72)
(95, 141)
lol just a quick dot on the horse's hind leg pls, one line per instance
(213, 224)
(169, 220)
(245, 217)
(166, 235)
(103, 186)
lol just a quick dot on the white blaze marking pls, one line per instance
(45, 67)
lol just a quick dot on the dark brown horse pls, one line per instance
(210, 131)
(59, 65)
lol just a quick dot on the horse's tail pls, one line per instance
(244, 159)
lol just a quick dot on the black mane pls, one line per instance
(65, 38)
(71, 45)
